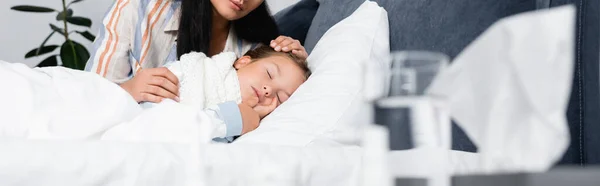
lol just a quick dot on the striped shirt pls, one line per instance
(140, 34)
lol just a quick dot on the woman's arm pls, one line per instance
(110, 53)
(110, 57)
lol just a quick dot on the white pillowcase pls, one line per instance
(330, 106)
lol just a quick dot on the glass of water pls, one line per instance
(412, 71)
(413, 118)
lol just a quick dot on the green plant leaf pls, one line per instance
(75, 60)
(68, 55)
(57, 29)
(45, 40)
(62, 15)
(28, 8)
(49, 62)
(83, 55)
(81, 21)
(40, 51)
(73, 2)
(87, 35)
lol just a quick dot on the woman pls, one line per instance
(140, 36)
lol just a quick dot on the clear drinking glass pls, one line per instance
(413, 71)
(413, 118)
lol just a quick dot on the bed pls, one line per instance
(314, 138)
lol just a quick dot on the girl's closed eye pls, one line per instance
(269, 74)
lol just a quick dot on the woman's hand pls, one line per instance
(288, 44)
(153, 85)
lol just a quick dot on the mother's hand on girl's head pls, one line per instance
(288, 44)
(153, 85)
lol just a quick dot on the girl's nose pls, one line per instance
(267, 91)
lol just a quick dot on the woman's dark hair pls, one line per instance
(195, 26)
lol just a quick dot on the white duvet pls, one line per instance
(60, 103)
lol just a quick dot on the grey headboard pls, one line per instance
(446, 26)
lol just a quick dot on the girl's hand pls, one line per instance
(288, 44)
(264, 110)
(250, 118)
(153, 85)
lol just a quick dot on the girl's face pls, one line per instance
(235, 9)
(268, 80)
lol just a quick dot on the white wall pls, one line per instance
(276, 5)
(21, 32)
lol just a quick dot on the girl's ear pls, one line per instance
(242, 62)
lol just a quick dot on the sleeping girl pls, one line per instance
(234, 94)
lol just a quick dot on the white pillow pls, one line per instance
(331, 105)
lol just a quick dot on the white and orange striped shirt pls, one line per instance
(142, 32)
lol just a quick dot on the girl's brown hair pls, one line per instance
(264, 51)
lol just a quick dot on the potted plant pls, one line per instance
(72, 54)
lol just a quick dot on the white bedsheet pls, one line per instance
(77, 163)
